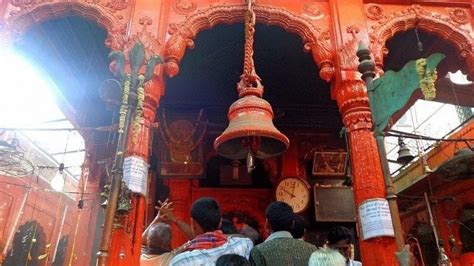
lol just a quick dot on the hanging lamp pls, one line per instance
(251, 133)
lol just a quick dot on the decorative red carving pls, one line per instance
(347, 54)
(459, 15)
(23, 13)
(368, 182)
(117, 5)
(180, 39)
(184, 6)
(448, 27)
(322, 52)
(149, 40)
(379, 50)
(353, 102)
(312, 11)
(154, 89)
(116, 37)
(374, 12)
(182, 34)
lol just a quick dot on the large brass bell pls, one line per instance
(404, 155)
(251, 131)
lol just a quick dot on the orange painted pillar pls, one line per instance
(368, 179)
(126, 241)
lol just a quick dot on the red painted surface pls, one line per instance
(367, 173)
(330, 31)
(126, 241)
(26, 200)
(448, 201)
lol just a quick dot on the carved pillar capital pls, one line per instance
(353, 102)
(118, 40)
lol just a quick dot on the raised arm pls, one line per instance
(167, 215)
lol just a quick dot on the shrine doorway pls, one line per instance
(28, 245)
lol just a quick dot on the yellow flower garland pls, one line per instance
(139, 109)
(427, 79)
(123, 107)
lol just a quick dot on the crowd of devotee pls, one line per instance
(217, 241)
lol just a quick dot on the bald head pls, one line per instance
(159, 236)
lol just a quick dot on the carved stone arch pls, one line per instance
(23, 14)
(182, 34)
(452, 28)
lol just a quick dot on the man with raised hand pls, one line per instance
(209, 242)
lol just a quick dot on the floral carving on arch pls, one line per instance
(110, 14)
(447, 26)
(315, 40)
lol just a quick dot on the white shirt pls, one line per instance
(354, 263)
(234, 245)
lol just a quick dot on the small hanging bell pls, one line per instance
(404, 155)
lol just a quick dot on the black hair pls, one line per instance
(206, 212)
(338, 233)
(280, 216)
(299, 227)
(228, 227)
(232, 260)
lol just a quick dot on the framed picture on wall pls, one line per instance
(331, 163)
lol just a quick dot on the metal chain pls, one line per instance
(249, 75)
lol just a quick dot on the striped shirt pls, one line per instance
(234, 245)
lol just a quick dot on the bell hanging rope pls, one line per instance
(251, 132)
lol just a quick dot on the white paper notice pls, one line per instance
(135, 174)
(375, 218)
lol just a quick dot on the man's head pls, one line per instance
(232, 260)
(339, 238)
(159, 237)
(206, 216)
(279, 216)
(299, 229)
(228, 228)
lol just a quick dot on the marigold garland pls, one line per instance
(123, 107)
(139, 109)
(427, 79)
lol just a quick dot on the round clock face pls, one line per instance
(294, 192)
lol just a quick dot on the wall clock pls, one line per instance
(295, 192)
